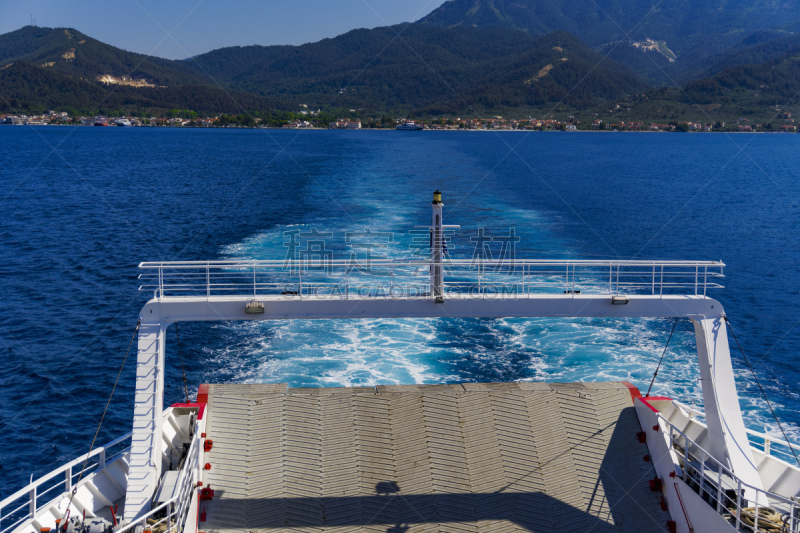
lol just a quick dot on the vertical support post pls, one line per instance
(101, 460)
(719, 488)
(208, 284)
(727, 437)
(767, 443)
(437, 278)
(32, 504)
(68, 479)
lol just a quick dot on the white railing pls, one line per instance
(760, 441)
(176, 510)
(24, 504)
(725, 492)
(411, 279)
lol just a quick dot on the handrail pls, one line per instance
(179, 505)
(790, 507)
(767, 438)
(340, 279)
(47, 477)
(548, 262)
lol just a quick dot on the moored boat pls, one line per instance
(409, 125)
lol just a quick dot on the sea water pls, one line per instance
(81, 207)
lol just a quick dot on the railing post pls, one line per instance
(755, 521)
(160, 282)
(685, 459)
(696, 274)
(391, 282)
(767, 443)
(32, 504)
(208, 284)
(68, 479)
(573, 281)
(654, 279)
(702, 474)
(719, 488)
(524, 276)
(101, 460)
(738, 505)
(705, 280)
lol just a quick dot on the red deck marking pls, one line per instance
(202, 393)
(633, 390)
(647, 401)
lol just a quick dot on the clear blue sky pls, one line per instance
(203, 25)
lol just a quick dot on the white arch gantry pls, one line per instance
(438, 288)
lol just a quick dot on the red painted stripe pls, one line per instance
(633, 390)
(649, 399)
(202, 393)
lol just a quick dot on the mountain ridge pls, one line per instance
(693, 29)
(402, 68)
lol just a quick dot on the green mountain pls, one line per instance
(773, 46)
(69, 52)
(27, 87)
(420, 67)
(405, 68)
(61, 68)
(774, 82)
(689, 29)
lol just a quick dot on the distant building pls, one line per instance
(571, 127)
(354, 125)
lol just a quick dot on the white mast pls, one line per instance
(437, 236)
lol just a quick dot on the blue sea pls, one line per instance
(81, 207)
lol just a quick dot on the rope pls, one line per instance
(91, 447)
(185, 386)
(662, 357)
(774, 415)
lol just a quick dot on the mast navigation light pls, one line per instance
(437, 197)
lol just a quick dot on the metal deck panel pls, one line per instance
(477, 457)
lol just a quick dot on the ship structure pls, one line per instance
(518, 456)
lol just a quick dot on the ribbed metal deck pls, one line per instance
(472, 457)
